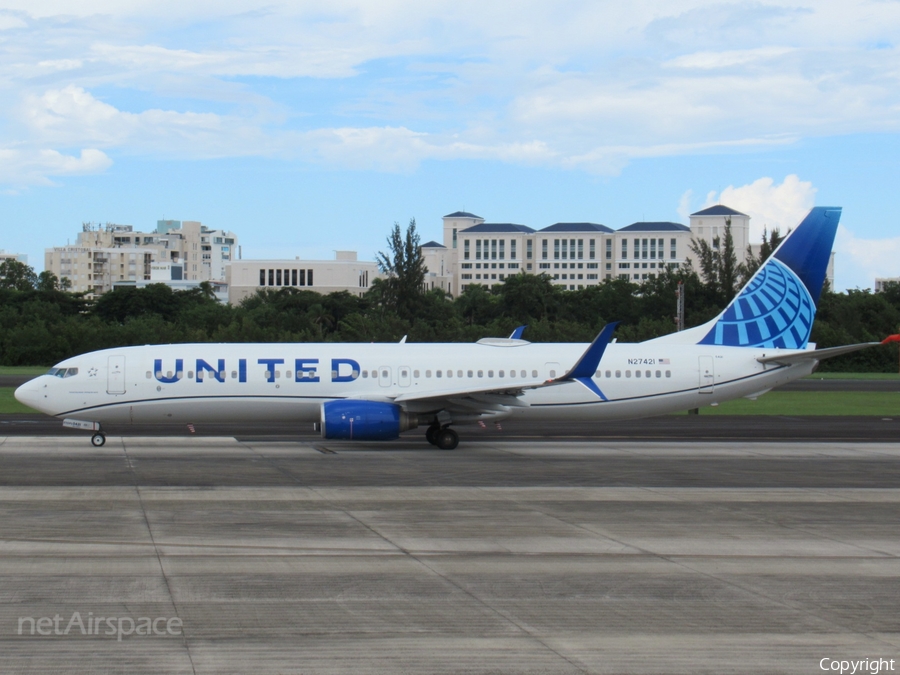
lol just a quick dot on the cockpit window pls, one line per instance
(62, 372)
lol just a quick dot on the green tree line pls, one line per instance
(41, 324)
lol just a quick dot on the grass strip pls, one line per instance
(827, 403)
(23, 370)
(9, 404)
(853, 376)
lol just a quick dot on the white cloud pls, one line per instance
(72, 116)
(769, 205)
(20, 167)
(8, 21)
(577, 84)
(859, 261)
(726, 59)
(684, 206)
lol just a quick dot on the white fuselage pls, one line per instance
(289, 381)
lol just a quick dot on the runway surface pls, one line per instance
(862, 429)
(504, 556)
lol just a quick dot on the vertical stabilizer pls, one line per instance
(777, 306)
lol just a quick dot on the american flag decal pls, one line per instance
(664, 362)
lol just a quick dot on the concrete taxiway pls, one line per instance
(521, 555)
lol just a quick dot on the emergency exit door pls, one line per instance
(115, 375)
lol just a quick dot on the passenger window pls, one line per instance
(637, 373)
(608, 374)
(168, 374)
(277, 374)
(480, 373)
(149, 374)
(233, 374)
(190, 374)
(365, 374)
(490, 373)
(534, 373)
(618, 373)
(459, 373)
(427, 373)
(221, 375)
(384, 374)
(438, 373)
(524, 374)
(287, 374)
(469, 373)
(647, 373)
(658, 374)
(552, 373)
(627, 373)
(416, 373)
(500, 374)
(668, 373)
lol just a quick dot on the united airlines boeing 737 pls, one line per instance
(376, 391)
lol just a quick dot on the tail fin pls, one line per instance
(777, 306)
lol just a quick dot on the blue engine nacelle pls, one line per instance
(365, 420)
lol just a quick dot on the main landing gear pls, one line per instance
(443, 437)
(98, 439)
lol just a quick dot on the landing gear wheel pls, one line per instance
(98, 440)
(431, 434)
(447, 439)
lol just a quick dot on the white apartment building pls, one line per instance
(105, 255)
(20, 257)
(574, 255)
(344, 273)
(881, 281)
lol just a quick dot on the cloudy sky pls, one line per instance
(307, 126)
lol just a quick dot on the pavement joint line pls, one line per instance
(724, 506)
(728, 508)
(412, 556)
(162, 569)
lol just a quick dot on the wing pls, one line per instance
(499, 398)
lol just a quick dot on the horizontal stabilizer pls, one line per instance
(816, 354)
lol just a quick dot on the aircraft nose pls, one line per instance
(31, 394)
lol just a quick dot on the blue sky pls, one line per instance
(306, 129)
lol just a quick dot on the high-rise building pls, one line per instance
(106, 254)
(575, 255)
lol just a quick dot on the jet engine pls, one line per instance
(365, 420)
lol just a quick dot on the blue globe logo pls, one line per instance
(774, 310)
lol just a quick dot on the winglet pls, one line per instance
(584, 370)
(891, 338)
(517, 333)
